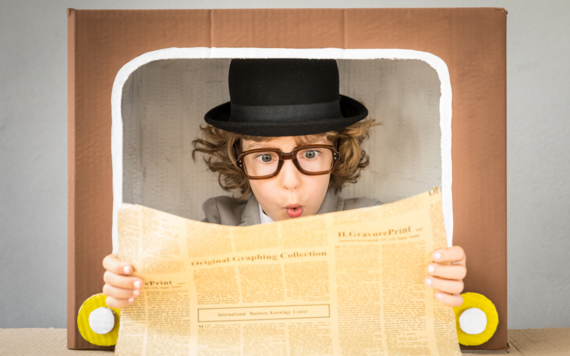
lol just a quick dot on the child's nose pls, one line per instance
(290, 175)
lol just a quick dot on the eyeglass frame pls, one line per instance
(285, 156)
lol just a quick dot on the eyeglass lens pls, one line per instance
(312, 160)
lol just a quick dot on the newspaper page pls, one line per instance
(343, 283)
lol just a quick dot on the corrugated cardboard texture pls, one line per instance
(471, 41)
(164, 103)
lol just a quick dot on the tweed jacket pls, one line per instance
(223, 210)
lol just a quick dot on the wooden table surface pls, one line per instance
(47, 342)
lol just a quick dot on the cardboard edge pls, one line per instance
(445, 103)
(71, 295)
(503, 10)
(505, 185)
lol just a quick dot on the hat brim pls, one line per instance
(219, 116)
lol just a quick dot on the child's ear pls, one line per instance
(237, 145)
(237, 148)
(337, 143)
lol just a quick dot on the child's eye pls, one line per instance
(264, 157)
(310, 154)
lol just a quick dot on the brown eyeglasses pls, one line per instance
(312, 160)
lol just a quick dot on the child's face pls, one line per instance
(290, 187)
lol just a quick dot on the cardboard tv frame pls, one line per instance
(470, 42)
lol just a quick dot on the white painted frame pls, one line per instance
(317, 53)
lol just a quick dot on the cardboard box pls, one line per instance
(140, 82)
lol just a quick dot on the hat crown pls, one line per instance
(284, 97)
(283, 81)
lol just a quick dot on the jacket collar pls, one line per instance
(250, 215)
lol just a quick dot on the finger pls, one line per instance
(453, 254)
(453, 300)
(118, 303)
(122, 281)
(112, 263)
(119, 293)
(447, 271)
(444, 285)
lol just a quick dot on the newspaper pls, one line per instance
(343, 283)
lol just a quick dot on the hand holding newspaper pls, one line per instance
(343, 283)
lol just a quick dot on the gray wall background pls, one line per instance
(33, 152)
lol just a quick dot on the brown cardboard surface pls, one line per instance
(538, 342)
(39, 341)
(471, 41)
(52, 342)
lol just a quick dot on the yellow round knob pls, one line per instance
(476, 319)
(97, 322)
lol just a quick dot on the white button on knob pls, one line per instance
(473, 321)
(102, 320)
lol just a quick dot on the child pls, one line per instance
(288, 142)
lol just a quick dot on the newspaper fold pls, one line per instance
(343, 283)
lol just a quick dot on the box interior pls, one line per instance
(164, 101)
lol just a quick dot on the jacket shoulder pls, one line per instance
(223, 210)
(362, 202)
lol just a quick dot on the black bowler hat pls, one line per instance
(284, 97)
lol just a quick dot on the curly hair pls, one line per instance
(217, 145)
